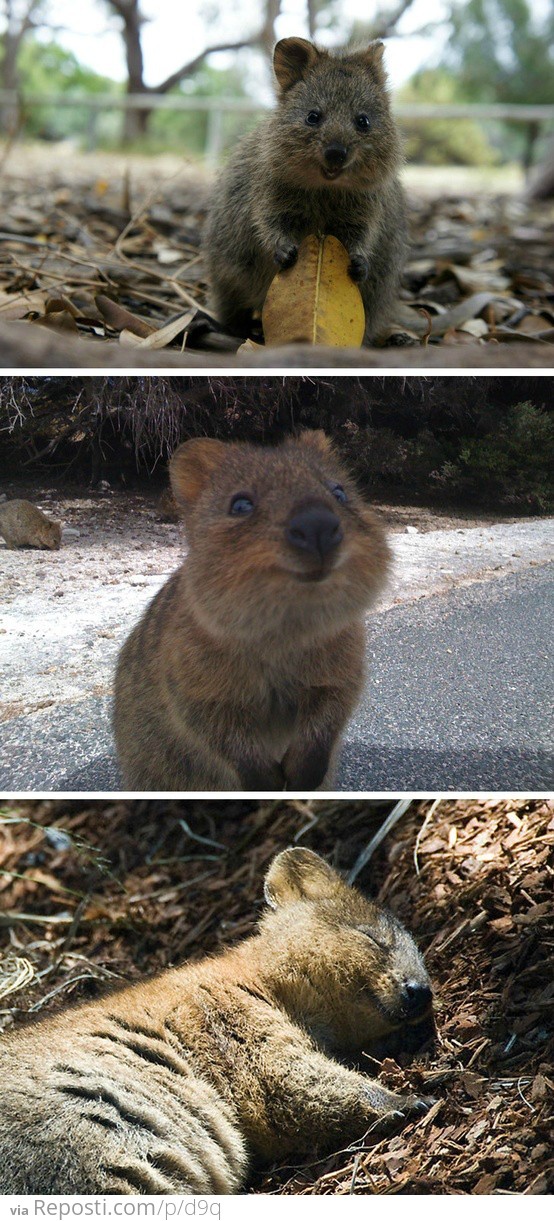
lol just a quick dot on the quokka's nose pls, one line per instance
(417, 998)
(335, 155)
(314, 529)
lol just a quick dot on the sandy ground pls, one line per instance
(65, 614)
(41, 159)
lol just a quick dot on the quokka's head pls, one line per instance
(352, 974)
(49, 535)
(280, 539)
(335, 125)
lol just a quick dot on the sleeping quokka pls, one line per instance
(188, 1081)
(245, 668)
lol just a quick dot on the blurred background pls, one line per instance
(472, 80)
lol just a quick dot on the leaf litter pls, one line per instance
(115, 258)
(98, 891)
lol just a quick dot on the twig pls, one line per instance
(61, 988)
(200, 839)
(421, 832)
(395, 815)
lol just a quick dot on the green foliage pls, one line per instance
(503, 51)
(513, 461)
(188, 130)
(463, 439)
(442, 141)
(46, 68)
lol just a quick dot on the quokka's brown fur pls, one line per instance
(278, 186)
(248, 663)
(184, 1083)
(23, 525)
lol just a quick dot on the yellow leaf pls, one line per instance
(315, 301)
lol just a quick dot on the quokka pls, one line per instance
(188, 1081)
(22, 524)
(246, 666)
(325, 161)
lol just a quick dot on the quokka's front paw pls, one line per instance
(305, 769)
(359, 269)
(285, 254)
(408, 1108)
(411, 1106)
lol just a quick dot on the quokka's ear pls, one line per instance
(292, 58)
(297, 874)
(317, 440)
(372, 58)
(191, 466)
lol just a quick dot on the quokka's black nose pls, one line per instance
(335, 155)
(416, 998)
(315, 530)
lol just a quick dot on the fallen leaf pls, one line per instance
(121, 319)
(315, 301)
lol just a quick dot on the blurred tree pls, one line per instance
(543, 185)
(48, 68)
(188, 130)
(319, 14)
(132, 22)
(19, 17)
(503, 51)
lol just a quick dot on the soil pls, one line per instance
(93, 892)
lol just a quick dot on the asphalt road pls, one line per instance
(459, 698)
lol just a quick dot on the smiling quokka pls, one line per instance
(248, 663)
(184, 1083)
(325, 161)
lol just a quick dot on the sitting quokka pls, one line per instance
(23, 525)
(325, 161)
(183, 1083)
(249, 661)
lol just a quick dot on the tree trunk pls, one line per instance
(542, 186)
(9, 113)
(135, 122)
(16, 29)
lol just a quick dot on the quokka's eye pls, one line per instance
(313, 118)
(339, 493)
(241, 505)
(362, 122)
(367, 932)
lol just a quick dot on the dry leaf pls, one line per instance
(469, 308)
(315, 301)
(121, 319)
(166, 334)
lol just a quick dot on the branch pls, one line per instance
(385, 24)
(264, 38)
(193, 64)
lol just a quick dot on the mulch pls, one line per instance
(114, 259)
(99, 891)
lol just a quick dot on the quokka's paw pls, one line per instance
(408, 1108)
(285, 254)
(359, 269)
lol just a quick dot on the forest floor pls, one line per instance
(91, 248)
(96, 892)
